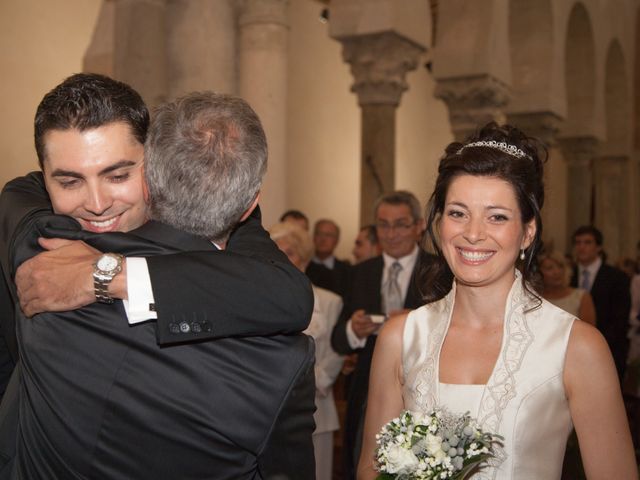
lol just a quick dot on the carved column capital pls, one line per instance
(579, 151)
(379, 64)
(473, 102)
(541, 125)
(263, 11)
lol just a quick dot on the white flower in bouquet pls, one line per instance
(401, 460)
(437, 445)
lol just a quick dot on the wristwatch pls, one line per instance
(107, 267)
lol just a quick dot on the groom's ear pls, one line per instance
(253, 206)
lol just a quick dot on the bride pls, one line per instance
(485, 342)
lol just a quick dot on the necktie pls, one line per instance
(392, 295)
(586, 284)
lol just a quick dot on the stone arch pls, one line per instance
(580, 73)
(531, 52)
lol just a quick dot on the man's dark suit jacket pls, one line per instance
(187, 286)
(364, 293)
(612, 300)
(101, 399)
(335, 280)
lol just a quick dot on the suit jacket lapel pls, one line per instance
(376, 279)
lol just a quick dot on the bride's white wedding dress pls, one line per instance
(524, 399)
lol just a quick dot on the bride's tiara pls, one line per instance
(502, 146)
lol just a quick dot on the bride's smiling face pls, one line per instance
(481, 230)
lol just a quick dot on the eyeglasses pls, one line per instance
(402, 227)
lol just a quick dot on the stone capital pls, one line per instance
(472, 102)
(263, 11)
(541, 125)
(579, 151)
(379, 64)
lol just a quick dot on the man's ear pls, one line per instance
(253, 206)
(529, 233)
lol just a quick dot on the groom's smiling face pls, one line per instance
(96, 176)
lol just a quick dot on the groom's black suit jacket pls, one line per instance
(187, 287)
(101, 399)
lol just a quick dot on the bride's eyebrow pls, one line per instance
(456, 204)
(498, 207)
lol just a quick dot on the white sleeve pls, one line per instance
(139, 307)
(352, 338)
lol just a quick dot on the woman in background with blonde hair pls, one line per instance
(297, 245)
(556, 289)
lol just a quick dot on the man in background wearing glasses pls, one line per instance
(380, 287)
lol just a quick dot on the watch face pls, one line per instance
(107, 263)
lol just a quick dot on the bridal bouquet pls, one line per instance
(437, 445)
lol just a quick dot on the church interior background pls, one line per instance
(361, 96)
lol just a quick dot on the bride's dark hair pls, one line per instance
(524, 174)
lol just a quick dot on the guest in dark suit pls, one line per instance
(68, 423)
(297, 217)
(325, 270)
(380, 287)
(609, 288)
(366, 244)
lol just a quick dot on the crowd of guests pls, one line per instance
(581, 283)
(172, 347)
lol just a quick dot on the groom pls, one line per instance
(100, 399)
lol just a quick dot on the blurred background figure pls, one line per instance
(628, 266)
(325, 270)
(556, 289)
(609, 289)
(297, 217)
(366, 245)
(297, 245)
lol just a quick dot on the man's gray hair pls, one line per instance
(205, 157)
(400, 197)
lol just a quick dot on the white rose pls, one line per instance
(400, 460)
(434, 444)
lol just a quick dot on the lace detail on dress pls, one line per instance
(501, 388)
(426, 381)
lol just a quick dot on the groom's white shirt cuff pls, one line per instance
(139, 292)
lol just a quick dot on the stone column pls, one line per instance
(263, 36)
(579, 153)
(201, 46)
(473, 101)
(541, 125)
(379, 63)
(129, 44)
(545, 126)
(610, 205)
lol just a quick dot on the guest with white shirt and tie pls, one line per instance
(609, 288)
(380, 287)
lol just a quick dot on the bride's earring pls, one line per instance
(522, 257)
